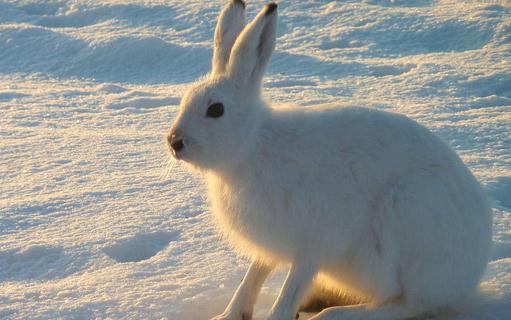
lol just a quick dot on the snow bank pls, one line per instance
(128, 58)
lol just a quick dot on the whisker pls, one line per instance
(171, 164)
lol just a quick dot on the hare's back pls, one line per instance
(360, 136)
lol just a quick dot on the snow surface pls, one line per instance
(95, 222)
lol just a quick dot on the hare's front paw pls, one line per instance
(233, 316)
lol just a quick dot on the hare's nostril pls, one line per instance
(177, 144)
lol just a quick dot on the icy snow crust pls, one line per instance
(94, 223)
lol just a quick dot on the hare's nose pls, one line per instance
(176, 143)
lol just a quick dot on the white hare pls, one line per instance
(367, 203)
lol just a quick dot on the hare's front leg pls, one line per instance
(298, 281)
(242, 303)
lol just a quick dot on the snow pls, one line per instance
(95, 222)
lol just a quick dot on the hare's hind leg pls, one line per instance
(365, 312)
(242, 303)
(321, 297)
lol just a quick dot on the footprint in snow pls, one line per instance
(140, 247)
(38, 262)
(500, 190)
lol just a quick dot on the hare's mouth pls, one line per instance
(177, 154)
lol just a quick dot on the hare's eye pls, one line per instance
(215, 110)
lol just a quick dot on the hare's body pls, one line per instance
(370, 201)
(363, 192)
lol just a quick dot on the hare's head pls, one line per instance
(219, 115)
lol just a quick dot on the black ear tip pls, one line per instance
(270, 7)
(239, 2)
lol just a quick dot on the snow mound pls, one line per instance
(110, 88)
(400, 3)
(398, 35)
(146, 59)
(26, 48)
(143, 103)
(123, 59)
(71, 14)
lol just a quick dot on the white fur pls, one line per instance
(369, 203)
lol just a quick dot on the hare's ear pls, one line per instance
(253, 48)
(230, 23)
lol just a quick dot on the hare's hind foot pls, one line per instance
(364, 312)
